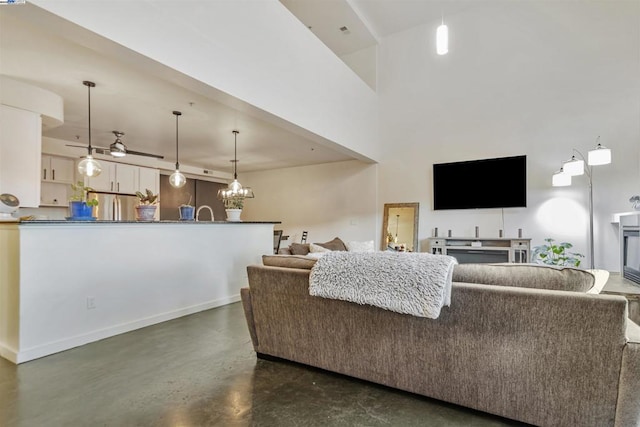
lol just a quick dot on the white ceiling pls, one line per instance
(128, 99)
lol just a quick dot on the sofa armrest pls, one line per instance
(245, 294)
(628, 407)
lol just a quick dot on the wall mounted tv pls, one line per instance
(479, 184)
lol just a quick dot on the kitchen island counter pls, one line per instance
(70, 221)
(68, 283)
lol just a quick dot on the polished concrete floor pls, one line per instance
(201, 370)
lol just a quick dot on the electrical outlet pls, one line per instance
(91, 303)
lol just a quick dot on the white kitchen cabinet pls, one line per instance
(115, 177)
(58, 169)
(149, 178)
(20, 151)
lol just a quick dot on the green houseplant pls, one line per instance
(147, 205)
(81, 208)
(556, 254)
(233, 207)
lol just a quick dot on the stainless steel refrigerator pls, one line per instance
(114, 207)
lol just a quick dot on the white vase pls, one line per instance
(233, 215)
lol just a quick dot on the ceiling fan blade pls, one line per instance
(105, 151)
(85, 147)
(140, 153)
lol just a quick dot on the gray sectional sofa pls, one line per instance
(532, 346)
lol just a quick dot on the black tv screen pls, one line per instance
(478, 184)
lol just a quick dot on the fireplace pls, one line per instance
(631, 253)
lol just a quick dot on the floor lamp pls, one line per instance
(574, 167)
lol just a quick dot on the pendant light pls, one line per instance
(177, 179)
(442, 39)
(235, 189)
(88, 166)
(117, 148)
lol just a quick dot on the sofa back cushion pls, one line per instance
(289, 261)
(525, 276)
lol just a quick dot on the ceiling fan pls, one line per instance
(118, 149)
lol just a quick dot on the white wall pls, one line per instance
(364, 63)
(534, 78)
(328, 200)
(254, 51)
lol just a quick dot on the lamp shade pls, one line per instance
(573, 167)
(177, 179)
(89, 167)
(561, 179)
(442, 40)
(599, 156)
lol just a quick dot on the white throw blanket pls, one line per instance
(410, 283)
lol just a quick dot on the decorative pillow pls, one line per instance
(367, 246)
(525, 276)
(316, 248)
(299, 248)
(334, 245)
(288, 261)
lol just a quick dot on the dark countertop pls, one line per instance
(62, 221)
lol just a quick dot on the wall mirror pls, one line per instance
(400, 225)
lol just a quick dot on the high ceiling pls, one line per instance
(128, 99)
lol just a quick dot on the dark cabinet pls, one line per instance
(195, 192)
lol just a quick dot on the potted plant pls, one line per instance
(556, 254)
(233, 206)
(79, 207)
(147, 204)
(187, 211)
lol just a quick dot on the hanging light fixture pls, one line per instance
(177, 179)
(442, 39)
(117, 148)
(235, 189)
(88, 166)
(599, 155)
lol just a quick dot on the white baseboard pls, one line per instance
(47, 349)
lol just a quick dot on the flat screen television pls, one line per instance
(479, 184)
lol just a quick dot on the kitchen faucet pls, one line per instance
(198, 212)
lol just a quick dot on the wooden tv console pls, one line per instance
(478, 250)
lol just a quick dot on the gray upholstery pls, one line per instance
(289, 261)
(544, 357)
(525, 276)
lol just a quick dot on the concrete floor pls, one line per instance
(201, 370)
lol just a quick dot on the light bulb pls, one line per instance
(235, 186)
(89, 167)
(442, 40)
(177, 179)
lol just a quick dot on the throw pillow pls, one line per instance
(299, 248)
(315, 248)
(525, 276)
(367, 246)
(333, 245)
